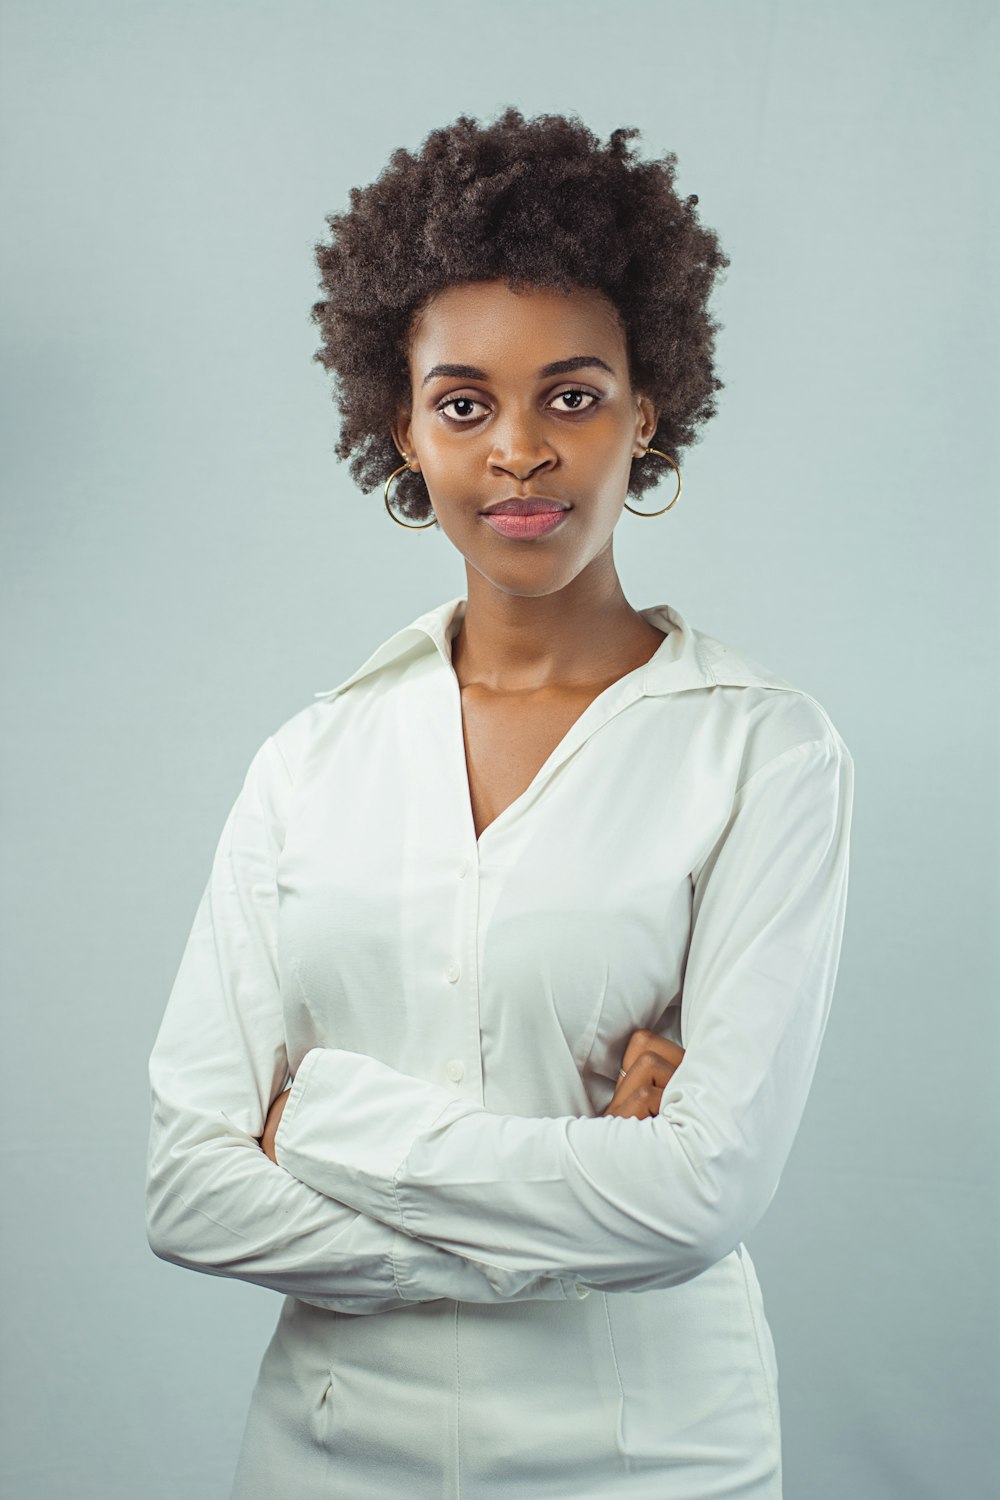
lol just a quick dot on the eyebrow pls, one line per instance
(557, 367)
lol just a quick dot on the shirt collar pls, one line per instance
(686, 658)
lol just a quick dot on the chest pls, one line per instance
(514, 958)
(508, 738)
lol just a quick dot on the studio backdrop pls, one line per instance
(186, 563)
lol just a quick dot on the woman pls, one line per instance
(506, 990)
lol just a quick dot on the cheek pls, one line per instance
(441, 453)
(607, 442)
(608, 459)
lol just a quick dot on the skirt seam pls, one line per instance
(458, 1409)
(775, 1429)
(619, 1435)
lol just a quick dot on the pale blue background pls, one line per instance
(186, 563)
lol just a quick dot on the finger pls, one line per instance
(639, 1104)
(650, 1041)
(649, 1067)
(649, 1070)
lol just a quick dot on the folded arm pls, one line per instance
(612, 1203)
(214, 1201)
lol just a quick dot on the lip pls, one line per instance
(525, 526)
(525, 505)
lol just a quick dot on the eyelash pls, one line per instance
(468, 421)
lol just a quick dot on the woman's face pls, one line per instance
(492, 419)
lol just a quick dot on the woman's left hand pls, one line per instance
(271, 1125)
(649, 1063)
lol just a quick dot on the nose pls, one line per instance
(520, 448)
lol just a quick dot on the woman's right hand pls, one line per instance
(650, 1062)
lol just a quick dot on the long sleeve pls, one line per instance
(611, 1203)
(214, 1200)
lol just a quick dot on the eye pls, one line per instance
(463, 418)
(574, 392)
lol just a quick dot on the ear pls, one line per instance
(646, 420)
(402, 434)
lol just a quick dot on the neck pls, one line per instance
(583, 634)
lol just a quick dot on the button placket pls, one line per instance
(460, 971)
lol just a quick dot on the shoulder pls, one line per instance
(293, 740)
(778, 716)
(306, 731)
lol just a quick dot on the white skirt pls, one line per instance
(663, 1395)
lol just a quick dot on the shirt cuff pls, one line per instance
(347, 1128)
(349, 1124)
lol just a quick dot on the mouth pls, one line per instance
(524, 517)
(526, 505)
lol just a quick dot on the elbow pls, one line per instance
(666, 1257)
(717, 1197)
(669, 1248)
(195, 1193)
(672, 1265)
(710, 1244)
(713, 1246)
(718, 1225)
(168, 1214)
(165, 1232)
(162, 1248)
(178, 1228)
(719, 1217)
(706, 1223)
(183, 1236)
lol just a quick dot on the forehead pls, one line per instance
(487, 323)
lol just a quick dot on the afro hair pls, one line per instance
(540, 203)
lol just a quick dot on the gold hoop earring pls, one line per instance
(676, 470)
(406, 525)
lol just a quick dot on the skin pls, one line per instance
(547, 625)
(547, 613)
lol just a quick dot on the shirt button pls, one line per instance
(582, 1291)
(456, 1070)
(452, 971)
(463, 869)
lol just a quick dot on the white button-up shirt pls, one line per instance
(452, 1012)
